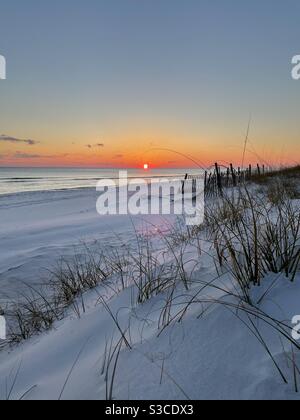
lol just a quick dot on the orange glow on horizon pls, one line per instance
(179, 150)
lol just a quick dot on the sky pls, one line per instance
(117, 83)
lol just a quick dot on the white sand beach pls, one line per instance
(210, 354)
(37, 228)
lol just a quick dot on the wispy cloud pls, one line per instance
(24, 155)
(9, 139)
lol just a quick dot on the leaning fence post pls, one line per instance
(183, 183)
(258, 169)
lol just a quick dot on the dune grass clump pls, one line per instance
(36, 309)
(76, 275)
(35, 312)
(253, 236)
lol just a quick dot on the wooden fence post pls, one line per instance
(258, 169)
(250, 171)
(233, 174)
(219, 179)
(183, 183)
(228, 177)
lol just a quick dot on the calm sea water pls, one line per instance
(16, 180)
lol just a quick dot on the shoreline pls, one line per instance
(70, 183)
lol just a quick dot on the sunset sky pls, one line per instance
(109, 83)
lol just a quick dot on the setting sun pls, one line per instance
(146, 166)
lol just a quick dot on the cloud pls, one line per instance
(90, 146)
(9, 139)
(20, 155)
(23, 155)
(118, 156)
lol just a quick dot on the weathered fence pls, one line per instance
(225, 177)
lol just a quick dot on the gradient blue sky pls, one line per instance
(143, 74)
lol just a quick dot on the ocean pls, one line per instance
(17, 180)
